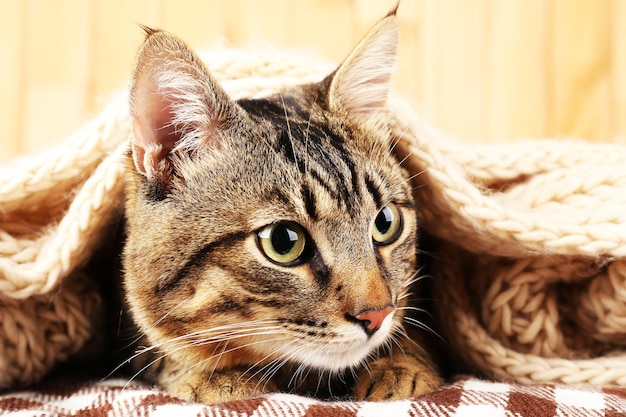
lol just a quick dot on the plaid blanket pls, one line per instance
(463, 397)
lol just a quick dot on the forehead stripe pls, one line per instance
(310, 204)
(374, 191)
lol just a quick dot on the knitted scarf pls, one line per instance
(530, 236)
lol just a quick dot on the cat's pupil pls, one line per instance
(284, 239)
(384, 220)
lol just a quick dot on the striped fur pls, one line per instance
(206, 174)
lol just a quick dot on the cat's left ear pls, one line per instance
(361, 84)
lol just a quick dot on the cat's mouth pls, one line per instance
(350, 345)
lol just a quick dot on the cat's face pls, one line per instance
(276, 229)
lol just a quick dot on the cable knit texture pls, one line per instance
(530, 273)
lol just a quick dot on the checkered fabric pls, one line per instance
(461, 398)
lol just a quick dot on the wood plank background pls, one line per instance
(482, 70)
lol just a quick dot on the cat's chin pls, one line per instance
(338, 361)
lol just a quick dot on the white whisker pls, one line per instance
(412, 177)
(405, 158)
(226, 350)
(306, 143)
(290, 135)
(415, 277)
(279, 363)
(418, 309)
(421, 325)
(401, 331)
(142, 370)
(268, 365)
(217, 335)
(417, 187)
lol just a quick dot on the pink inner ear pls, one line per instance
(153, 125)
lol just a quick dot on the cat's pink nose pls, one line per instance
(371, 320)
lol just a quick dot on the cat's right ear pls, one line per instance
(175, 104)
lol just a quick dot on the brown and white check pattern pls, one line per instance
(462, 398)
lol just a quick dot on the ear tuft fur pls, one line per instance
(394, 10)
(148, 31)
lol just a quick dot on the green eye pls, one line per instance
(387, 225)
(283, 242)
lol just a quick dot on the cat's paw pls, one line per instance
(394, 379)
(216, 387)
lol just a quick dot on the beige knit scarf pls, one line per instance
(532, 239)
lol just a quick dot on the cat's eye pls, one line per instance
(283, 242)
(387, 225)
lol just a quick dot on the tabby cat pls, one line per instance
(271, 243)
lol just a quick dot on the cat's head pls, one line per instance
(279, 228)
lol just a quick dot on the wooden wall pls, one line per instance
(482, 70)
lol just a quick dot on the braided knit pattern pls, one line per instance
(530, 274)
(530, 270)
